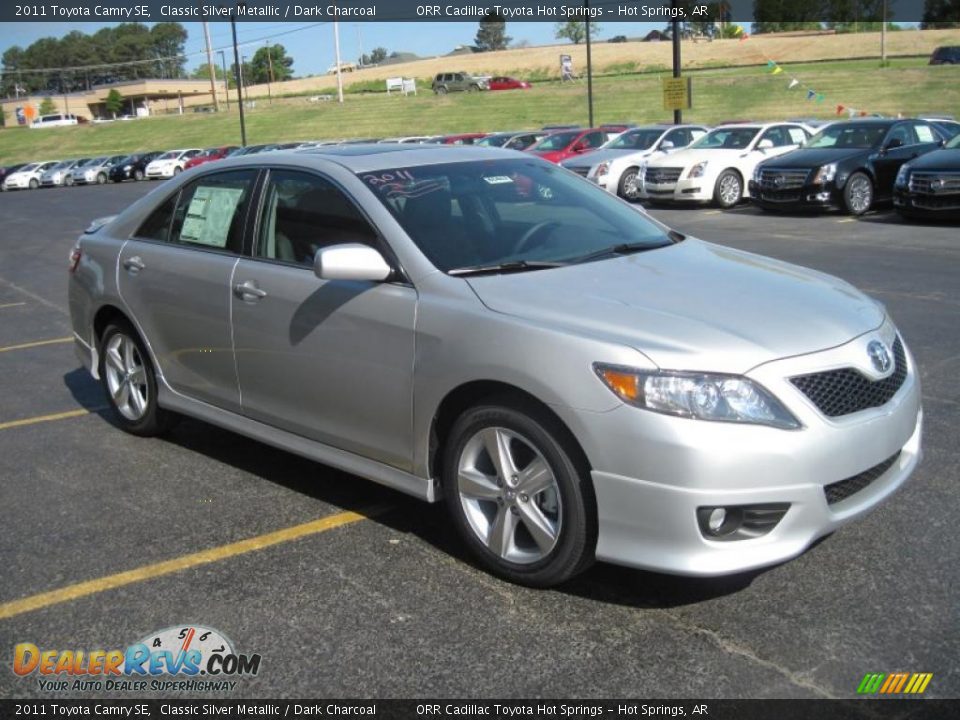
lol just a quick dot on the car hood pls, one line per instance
(685, 158)
(816, 157)
(690, 306)
(589, 159)
(938, 160)
(551, 155)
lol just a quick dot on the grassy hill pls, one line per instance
(907, 86)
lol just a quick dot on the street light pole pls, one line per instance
(270, 75)
(336, 48)
(586, 5)
(236, 60)
(226, 81)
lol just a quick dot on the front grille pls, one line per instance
(843, 489)
(662, 175)
(846, 391)
(935, 183)
(788, 196)
(775, 179)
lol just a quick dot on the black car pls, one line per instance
(946, 55)
(132, 167)
(930, 185)
(9, 170)
(850, 165)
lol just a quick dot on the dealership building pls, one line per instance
(140, 97)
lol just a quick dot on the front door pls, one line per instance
(331, 360)
(174, 276)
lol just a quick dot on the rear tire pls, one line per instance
(441, 90)
(528, 516)
(729, 189)
(177, 170)
(130, 383)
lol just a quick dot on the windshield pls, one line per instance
(557, 141)
(494, 140)
(489, 212)
(29, 168)
(172, 155)
(634, 140)
(731, 138)
(94, 161)
(64, 165)
(845, 135)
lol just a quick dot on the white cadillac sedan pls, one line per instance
(716, 167)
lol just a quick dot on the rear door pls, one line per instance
(331, 360)
(174, 276)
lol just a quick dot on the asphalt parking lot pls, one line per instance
(381, 602)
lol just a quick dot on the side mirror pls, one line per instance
(667, 145)
(350, 261)
(765, 144)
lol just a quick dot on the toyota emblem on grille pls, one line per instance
(879, 356)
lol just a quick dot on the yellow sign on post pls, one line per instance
(676, 95)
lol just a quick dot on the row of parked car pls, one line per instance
(853, 165)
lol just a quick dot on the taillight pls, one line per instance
(75, 256)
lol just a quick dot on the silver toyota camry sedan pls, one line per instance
(573, 379)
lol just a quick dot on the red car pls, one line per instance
(462, 139)
(563, 144)
(209, 155)
(502, 82)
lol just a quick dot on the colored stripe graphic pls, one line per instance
(894, 683)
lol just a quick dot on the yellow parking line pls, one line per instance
(38, 343)
(148, 572)
(46, 418)
(845, 220)
(10, 305)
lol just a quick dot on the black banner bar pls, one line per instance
(876, 709)
(657, 11)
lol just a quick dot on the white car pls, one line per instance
(170, 163)
(94, 171)
(27, 177)
(617, 167)
(59, 174)
(716, 167)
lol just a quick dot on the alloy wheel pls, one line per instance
(729, 190)
(509, 495)
(631, 184)
(860, 195)
(126, 377)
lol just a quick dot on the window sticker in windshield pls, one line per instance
(498, 180)
(402, 183)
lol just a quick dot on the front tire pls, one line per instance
(34, 184)
(858, 193)
(138, 175)
(101, 179)
(728, 190)
(441, 90)
(130, 383)
(68, 181)
(629, 186)
(517, 494)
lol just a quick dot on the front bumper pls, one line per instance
(808, 196)
(119, 174)
(165, 172)
(16, 184)
(699, 190)
(929, 205)
(651, 472)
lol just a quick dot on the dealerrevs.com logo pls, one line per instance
(189, 658)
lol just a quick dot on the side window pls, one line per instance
(594, 140)
(777, 136)
(797, 135)
(211, 211)
(303, 213)
(900, 132)
(157, 226)
(925, 133)
(679, 138)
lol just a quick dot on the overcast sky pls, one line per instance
(311, 45)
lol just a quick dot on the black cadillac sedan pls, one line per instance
(851, 165)
(132, 167)
(930, 185)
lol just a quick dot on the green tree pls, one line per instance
(269, 64)
(941, 14)
(47, 107)
(114, 102)
(575, 32)
(492, 34)
(167, 41)
(378, 55)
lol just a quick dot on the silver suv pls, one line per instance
(458, 82)
(572, 378)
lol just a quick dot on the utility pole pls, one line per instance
(677, 114)
(360, 44)
(236, 60)
(270, 73)
(336, 47)
(883, 36)
(226, 81)
(210, 66)
(586, 5)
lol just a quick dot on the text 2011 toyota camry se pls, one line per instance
(573, 379)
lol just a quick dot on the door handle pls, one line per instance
(134, 264)
(248, 289)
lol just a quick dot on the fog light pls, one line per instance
(716, 518)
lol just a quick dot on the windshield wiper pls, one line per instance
(621, 249)
(505, 267)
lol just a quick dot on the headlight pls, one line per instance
(825, 174)
(723, 398)
(127, 168)
(603, 168)
(903, 176)
(697, 170)
(756, 173)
